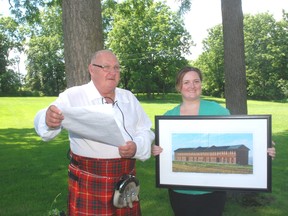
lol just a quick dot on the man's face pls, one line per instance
(105, 73)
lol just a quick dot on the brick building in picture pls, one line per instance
(237, 154)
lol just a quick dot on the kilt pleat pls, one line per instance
(92, 183)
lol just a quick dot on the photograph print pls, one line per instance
(212, 152)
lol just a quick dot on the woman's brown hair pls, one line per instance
(182, 73)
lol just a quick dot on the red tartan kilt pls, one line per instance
(92, 193)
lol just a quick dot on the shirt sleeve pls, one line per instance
(42, 129)
(144, 136)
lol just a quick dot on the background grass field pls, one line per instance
(33, 172)
(203, 167)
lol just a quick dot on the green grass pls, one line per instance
(205, 167)
(34, 172)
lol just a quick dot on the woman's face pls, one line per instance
(191, 87)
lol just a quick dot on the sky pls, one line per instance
(194, 140)
(205, 14)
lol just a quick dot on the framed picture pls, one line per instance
(214, 152)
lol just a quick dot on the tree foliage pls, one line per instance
(82, 30)
(150, 41)
(10, 42)
(265, 56)
(28, 11)
(45, 58)
(212, 64)
(24, 24)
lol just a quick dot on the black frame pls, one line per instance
(168, 175)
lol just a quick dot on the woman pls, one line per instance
(192, 202)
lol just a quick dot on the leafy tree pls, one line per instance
(282, 61)
(212, 64)
(149, 40)
(266, 54)
(82, 28)
(45, 58)
(266, 57)
(108, 10)
(10, 41)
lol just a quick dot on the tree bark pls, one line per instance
(234, 57)
(83, 35)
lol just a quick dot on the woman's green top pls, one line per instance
(206, 108)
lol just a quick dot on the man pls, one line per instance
(96, 167)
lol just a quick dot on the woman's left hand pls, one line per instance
(271, 151)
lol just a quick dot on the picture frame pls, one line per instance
(214, 152)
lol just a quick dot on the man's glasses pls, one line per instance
(108, 68)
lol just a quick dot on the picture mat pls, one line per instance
(258, 127)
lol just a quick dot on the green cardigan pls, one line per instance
(206, 108)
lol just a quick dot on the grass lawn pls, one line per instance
(34, 172)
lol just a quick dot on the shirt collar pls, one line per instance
(92, 92)
(121, 96)
(94, 95)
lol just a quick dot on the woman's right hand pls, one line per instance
(156, 150)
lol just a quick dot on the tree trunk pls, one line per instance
(234, 57)
(83, 35)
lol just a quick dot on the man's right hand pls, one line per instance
(54, 117)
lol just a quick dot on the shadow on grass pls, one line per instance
(262, 203)
(33, 172)
(36, 172)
